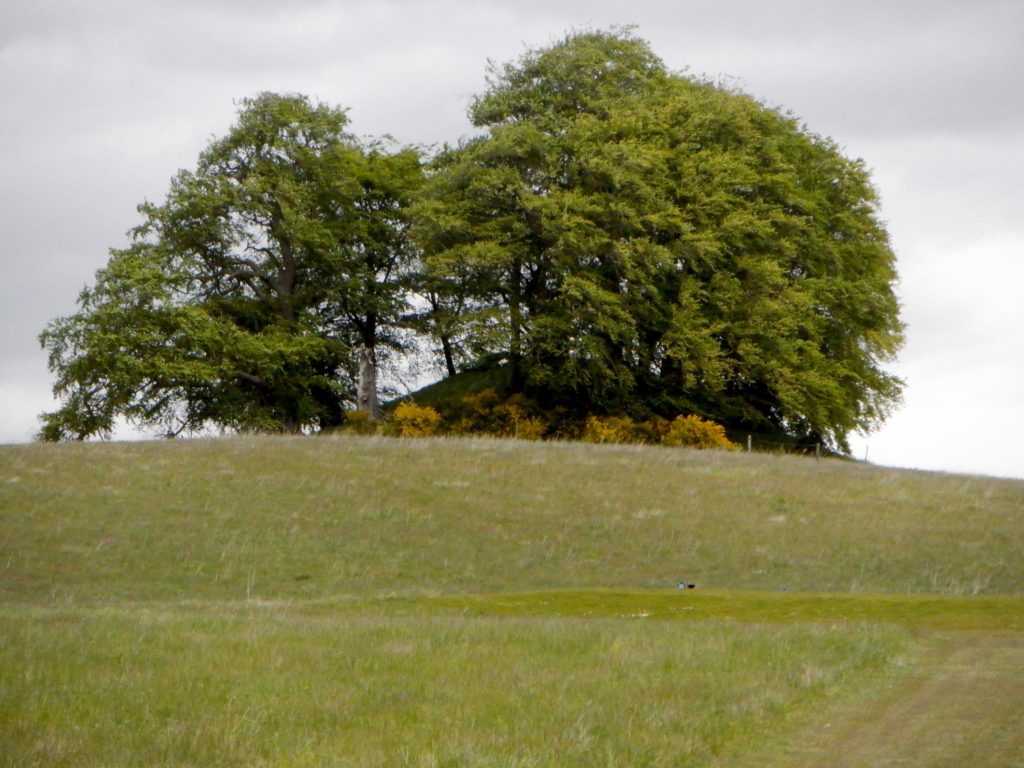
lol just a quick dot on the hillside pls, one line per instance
(367, 602)
(279, 518)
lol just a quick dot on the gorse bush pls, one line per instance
(491, 413)
(494, 413)
(531, 428)
(475, 413)
(694, 432)
(610, 429)
(411, 420)
(520, 417)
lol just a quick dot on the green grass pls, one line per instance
(451, 389)
(383, 602)
(918, 612)
(313, 518)
(265, 686)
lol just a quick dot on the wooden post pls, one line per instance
(817, 450)
(749, 447)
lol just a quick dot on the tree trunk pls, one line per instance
(515, 351)
(366, 395)
(449, 356)
(284, 280)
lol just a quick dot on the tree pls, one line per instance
(244, 298)
(492, 200)
(658, 244)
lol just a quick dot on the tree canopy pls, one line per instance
(656, 244)
(244, 297)
(623, 238)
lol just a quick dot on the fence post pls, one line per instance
(748, 444)
(817, 450)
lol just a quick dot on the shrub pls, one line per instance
(486, 412)
(694, 432)
(361, 423)
(411, 420)
(518, 417)
(474, 413)
(610, 429)
(652, 431)
(531, 428)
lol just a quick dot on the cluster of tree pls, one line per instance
(623, 239)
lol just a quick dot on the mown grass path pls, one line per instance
(961, 703)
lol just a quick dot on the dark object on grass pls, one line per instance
(686, 585)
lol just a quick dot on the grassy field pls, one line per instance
(382, 602)
(309, 518)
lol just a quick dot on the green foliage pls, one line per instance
(694, 432)
(487, 412)
(474, 413)
(411, 420)
(640, 238)
(242, 297)
(619, 239)
(360, 423)
(444, 395)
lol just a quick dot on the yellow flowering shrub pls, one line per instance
(610, 429)
(694, 432)
(531, 428)
(411, 420)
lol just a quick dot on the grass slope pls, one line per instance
(371, 602)
(310, 518)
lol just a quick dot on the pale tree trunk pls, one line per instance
(366, 395)
(515, 350)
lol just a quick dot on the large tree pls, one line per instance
(246, 297)
(658, 244)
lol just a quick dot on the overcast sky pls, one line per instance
(103, 101)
